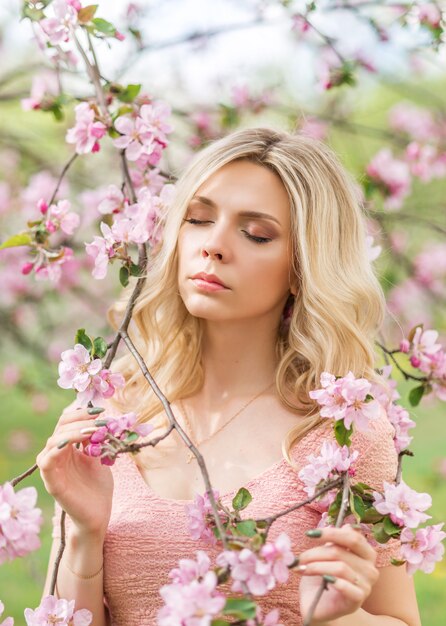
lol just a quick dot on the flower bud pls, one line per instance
(405, 346)
(27, 268)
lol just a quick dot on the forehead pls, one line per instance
(243, 185)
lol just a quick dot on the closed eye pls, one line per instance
(255, 238)
(192, 220)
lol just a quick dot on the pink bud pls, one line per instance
(415, 361)
(27, 268)
(75, 4)
(42, 206)
(96, 147)
(405, 346)
(50, 226)
(119, 36)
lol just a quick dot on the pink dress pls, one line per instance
(147, 534)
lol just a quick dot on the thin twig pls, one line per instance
(399, 470)
(61, 177)
(407, 376)
(15, 481)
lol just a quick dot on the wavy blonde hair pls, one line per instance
(339, 305)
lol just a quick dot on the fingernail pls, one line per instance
(100, 422)
(95, 410)
(63, 443)
(90, 429)
(329, 579)
(301, 568)
(314, 533)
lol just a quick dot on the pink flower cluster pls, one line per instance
(392, 176)
(423, 548)
(429, 357)
(404, 505)
(259, 572)
(9, 621)
(332, 460)
(192, 599)
(144, 136)
(57, 611)
(44, 89)
(200, 518)
(20, 522)
(87, 131)
(58, 29)
(119, 428)
(135, 224)
(77, 370)
(271, 619)
(430, 268)
(49, 264)
(59, 216)
(348, 399)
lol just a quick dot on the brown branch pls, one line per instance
(168, 410)
(339, 521)
(61, 177)
(15, 481)
(399, 470)
(406, 375)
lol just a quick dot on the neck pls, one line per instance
(239, 359)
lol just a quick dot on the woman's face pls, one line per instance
(234, 246)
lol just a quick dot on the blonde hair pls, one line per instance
(339, 305)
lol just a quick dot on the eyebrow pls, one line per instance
(257, 214)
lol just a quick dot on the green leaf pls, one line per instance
(397, 562)
(371, 516)
(247, 528)
(379, 533)
(135, 270)
(416, 394)
(357, 506)
(124, 276)
(104, 27)
(391, 528)
(23, 239)
(342, 434)
(57, 112)
(129, 93)
(335, 505)
(241, 499)
(219, 622)
(362, 487)
(100, 348)
(240, 608)
(131, 437)
(35, 15)
(86, 14)
(82, 338)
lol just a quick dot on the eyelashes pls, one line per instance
(256, 239)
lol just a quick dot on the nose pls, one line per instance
(209, 252)
(217, 246)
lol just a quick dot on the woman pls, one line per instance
(261, 284)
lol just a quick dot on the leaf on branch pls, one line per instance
(379, 533)
(135, 270)
(129, 93)
(35, 15)
(82, 338)
(391, 528)
(100, 348)
(246, 528)
(371, 516)
(124, 276)
(416, 394)
(104, 27)
(86, 14)
(343, 434)
(357, 506)
(397, 562)
(240, 608)
(241, 499)
(130, 438)
(23, 239)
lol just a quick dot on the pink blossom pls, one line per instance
(430, 268)
(200, 518)
(399, 418)
(20, 522)
(57, 29)
(11, 374)
(101, 249)
(57, 611)
(271, 619)
(155, 117)
(113, 201)
(86, 132)
(409, 301)
(192, 599)
(43, 91)
(77, 369)
(249, 569)
(348, 399)
(103, 385)
(424, 343)
(373, 252)
(426, 161)
(59, 216)
(279, 555)
(429, 14)
(314, 127)
(416, 122)
(392, 176)
(136, 138)
(423, 548)
(331, 461)
(9, 621)
(40, 187)
(405, 346)
(403, 504)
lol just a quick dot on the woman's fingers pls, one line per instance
(334, 570)
(347, 538)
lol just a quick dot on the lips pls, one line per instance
(209, 278)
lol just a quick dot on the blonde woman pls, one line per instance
(261, 284)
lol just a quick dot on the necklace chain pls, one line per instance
(189, 427)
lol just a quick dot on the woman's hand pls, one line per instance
(345, 556)
(81, 484)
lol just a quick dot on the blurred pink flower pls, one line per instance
(429, 13)
(9, 621)
(415, 121)
(392, 176)
(200, 517)
(373, 252)
(422, 549)
(57, 29)
(44, 87)
(315, 128)
(399, 418)
(11, 374)
(86, 132)
(19, 440)
(430, 268)
(20, 522)
(57, 611)
(39, 403)
(404, 505)
(271, 619)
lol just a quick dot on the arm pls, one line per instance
(83, 555)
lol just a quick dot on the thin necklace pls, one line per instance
(191, 455)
